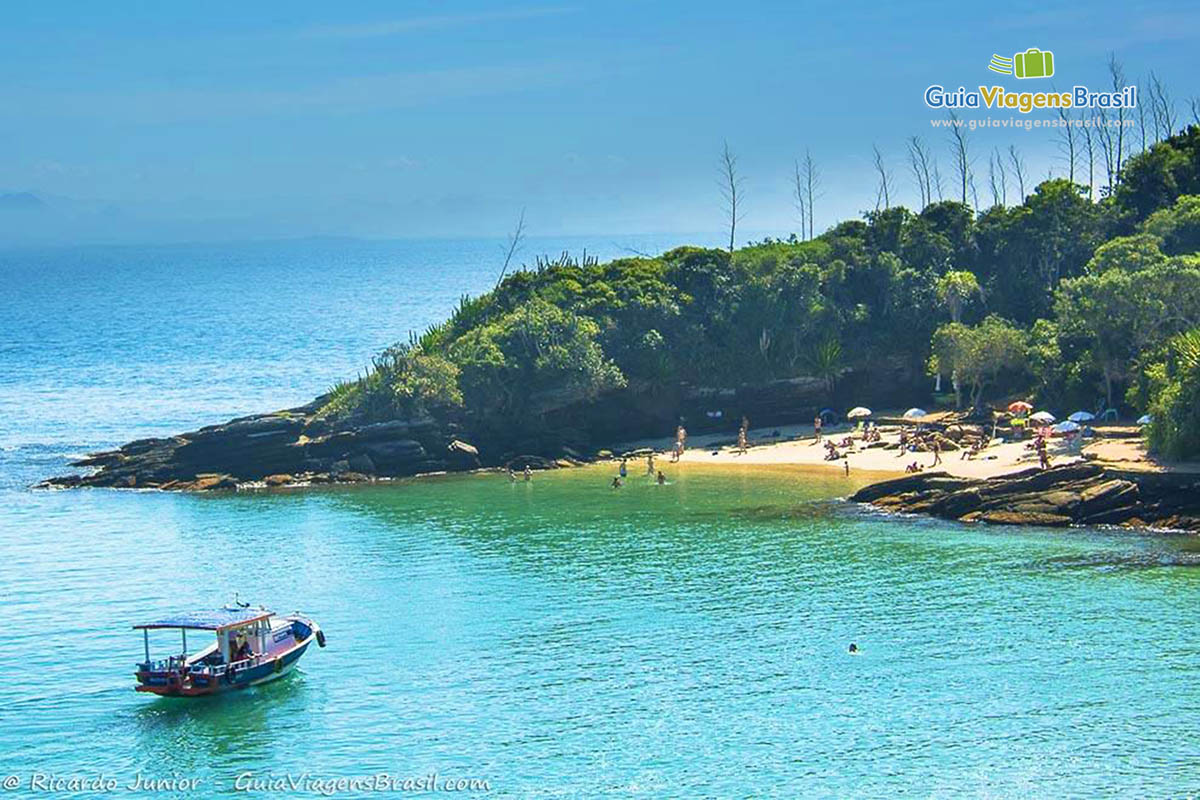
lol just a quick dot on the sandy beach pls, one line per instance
(796, 445)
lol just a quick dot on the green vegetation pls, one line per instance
(1074, 302)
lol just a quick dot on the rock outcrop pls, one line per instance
(1074, 494)
(284, 448)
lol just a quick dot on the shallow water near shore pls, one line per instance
(558, 637)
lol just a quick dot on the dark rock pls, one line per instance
(895, 486)
(1023, 518)
(954, 505)
(361, 463)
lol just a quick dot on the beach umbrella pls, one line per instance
(913, 413)
(858, 412)
(1082, 416)
(1066, 426)
(1144, 419)
(1044, 417)
(1019, 408)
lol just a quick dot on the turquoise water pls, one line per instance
(557, 638)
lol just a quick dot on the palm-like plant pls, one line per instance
(825, 361)
(955, 288)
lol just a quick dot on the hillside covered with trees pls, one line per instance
(1072, 302)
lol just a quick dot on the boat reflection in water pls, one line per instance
(251, 646)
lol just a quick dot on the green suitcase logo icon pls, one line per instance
(1033, 63)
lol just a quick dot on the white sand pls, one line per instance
(796, 445)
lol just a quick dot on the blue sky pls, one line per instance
(240, 120)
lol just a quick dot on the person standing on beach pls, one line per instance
(650, 463)
(742, 440)
(623, 471)
(528, 473)
(846, 463)
(817, 426)
(681, 435)
(937, 453)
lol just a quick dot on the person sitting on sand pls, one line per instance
(662, 479)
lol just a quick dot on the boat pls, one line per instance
(251, 646)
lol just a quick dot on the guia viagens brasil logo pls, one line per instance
(1032, 63)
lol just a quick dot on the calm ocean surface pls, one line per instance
(557, 639)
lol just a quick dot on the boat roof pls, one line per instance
(212, 620)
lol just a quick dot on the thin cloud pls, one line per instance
(366, 30)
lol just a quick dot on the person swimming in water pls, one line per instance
(853, 649)
(616, 484)
(662, 479)
(528, 473)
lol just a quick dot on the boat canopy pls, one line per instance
(217, 620)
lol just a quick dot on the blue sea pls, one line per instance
(553, 638)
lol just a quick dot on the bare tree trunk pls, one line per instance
(731, 190)
(1089, 144)
(798, 194)
(812, 182)
(1118, 84)
(1141, 113)
(514, 244)
(919, 162)
(1163, 109)
(1019, 168)
(962, 160)
(885, 177)
(1108, 148)
(992, 184)
(1066, 141)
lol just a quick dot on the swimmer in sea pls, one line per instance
(662, 479)
(853, 649)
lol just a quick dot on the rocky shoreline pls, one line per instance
(1074, 494)
(292, 447)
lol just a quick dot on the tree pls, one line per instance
(1175, 409)
(812, 182)
(1120, 313)
(962, 159)
(975, 356)
(1067, 142)
(954, 289)
(885, 179)
(1018, 165)
(798, 195)
(919, 160)
(1162, 109)
(514, 244)
(731, 189)
(1089, 148)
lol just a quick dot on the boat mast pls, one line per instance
(146, 641)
